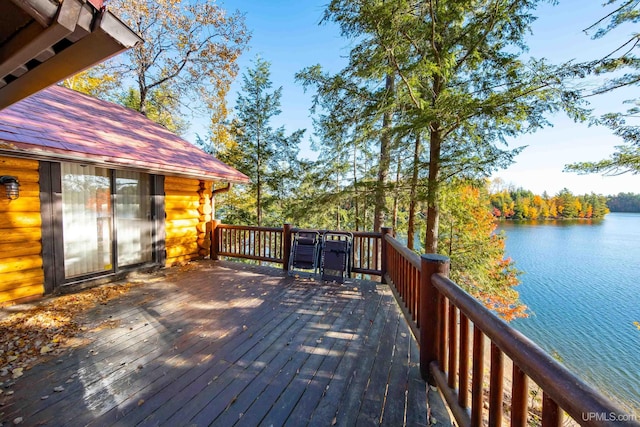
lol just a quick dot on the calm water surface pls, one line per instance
(582, 284)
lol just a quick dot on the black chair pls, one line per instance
(305, 252)
(336, 255)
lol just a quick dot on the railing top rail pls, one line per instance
(366, 234)
(248, 227)
(407, 253)
(321, 230)
(572, 394)
(306, 230)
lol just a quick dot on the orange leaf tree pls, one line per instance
(467, 235)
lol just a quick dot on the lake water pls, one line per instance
(582, 285)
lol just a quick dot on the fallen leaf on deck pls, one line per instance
(53, 322)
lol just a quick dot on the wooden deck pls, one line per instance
(223, 343)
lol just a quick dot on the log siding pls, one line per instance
(188, 218)
(21, 273)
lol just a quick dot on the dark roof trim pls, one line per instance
(57, 43)
(165, 170)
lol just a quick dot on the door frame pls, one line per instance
(52, 230)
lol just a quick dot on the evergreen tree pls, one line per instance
(266, 155)
(624, 202)
(459, 75)
(624, 65)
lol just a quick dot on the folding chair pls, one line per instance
(336, 255)
(305, 252)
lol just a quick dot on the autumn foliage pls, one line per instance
(478, 265)
(523, 204)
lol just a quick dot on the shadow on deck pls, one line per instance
(223, 343)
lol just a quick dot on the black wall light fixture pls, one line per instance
(11, 185)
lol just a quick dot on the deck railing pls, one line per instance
(273, 244)
(240, 241)
(452, 329)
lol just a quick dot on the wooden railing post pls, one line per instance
(383, 251)
(430, 264)
(286, 246)
(214, 239)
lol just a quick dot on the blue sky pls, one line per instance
(287, 34)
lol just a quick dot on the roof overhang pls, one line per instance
(45, 41)
(23, 151)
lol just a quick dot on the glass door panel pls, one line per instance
(86, 219)
(133, 218)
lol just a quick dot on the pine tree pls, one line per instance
(623, 65)
(267, 155)
(460, 79)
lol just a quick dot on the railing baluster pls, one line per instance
(416, 294)
(519, 394)
(442, 330)
(402, 279)
(496, 386)
(453, 345)
(245, 247)
(551, 413)
(364, 261)
(478, 374)
(463, 378)
(257, 235)
(233, 235)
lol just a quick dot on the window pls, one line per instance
(87, 220)
(107, 220)
(133, 218)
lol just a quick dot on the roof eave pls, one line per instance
(15, 149)
(77, 37)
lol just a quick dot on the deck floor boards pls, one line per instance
(223, 343)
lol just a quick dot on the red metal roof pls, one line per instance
(63, 124)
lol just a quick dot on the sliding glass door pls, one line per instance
(87, 219)
(133, 218)
(106, 218)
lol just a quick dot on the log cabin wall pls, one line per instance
(188, 218)
(21, 273)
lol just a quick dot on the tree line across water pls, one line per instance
(523, 204)
(624, 202)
